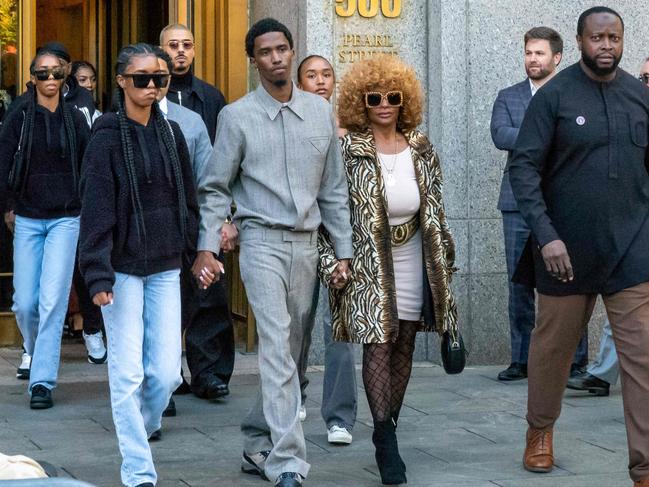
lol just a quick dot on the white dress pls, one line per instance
(403, 201)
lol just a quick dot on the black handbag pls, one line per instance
(18, 162)
(453, 352)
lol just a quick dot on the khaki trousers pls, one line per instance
(560, 323)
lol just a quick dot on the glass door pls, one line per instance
(9, 88)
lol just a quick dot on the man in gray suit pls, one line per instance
(543, 51)
(278, 159)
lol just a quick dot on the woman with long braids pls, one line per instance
(403, 250)
(139, 216)
(40, 154)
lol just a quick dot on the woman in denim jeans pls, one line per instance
(139, 217)
(41, 146)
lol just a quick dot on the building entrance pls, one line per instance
(94, 31)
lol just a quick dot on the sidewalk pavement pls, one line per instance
(465, 430)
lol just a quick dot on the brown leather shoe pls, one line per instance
(538, 456)
(641, 483)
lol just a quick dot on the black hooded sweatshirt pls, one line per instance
(109, 239)
(48, 189)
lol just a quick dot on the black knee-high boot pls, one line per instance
(395, 421)
(387, 457)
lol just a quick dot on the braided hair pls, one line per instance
(163, 129)
(68, 122)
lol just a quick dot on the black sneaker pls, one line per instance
(170, 410)
(41, 398)
(254, 464)
(515, 371)
(155, 436)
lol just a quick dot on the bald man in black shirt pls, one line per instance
(579, 176)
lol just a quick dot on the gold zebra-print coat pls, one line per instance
(365, 311)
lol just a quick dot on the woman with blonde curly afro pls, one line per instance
(403, 250)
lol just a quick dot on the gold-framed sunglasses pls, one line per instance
(374, 99)
(186, 44)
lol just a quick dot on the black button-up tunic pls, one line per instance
(579, 174)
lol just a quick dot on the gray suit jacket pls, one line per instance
(506, 119)
(195, 132)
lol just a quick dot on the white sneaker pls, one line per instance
(302, 412)
(23, 368)
(337, 435)
(97, 353)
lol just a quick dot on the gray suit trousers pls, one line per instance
(279, 271)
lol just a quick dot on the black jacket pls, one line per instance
(109, 239)
(200, 97)
(47, 188)
(579, 175)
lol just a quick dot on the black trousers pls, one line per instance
(209, 333)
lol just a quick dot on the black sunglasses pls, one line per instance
(142, 80)
(644, 78)
(44, 74)
(374, 98)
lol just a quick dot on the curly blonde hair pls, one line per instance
(382, 72)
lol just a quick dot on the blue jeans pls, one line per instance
(144, 353)
(606, 365)
(44, 253)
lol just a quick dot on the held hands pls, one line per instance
(340, 275)
(103, 298)
(229, 237)
(557, 261)
(10, 220)
(207, 269)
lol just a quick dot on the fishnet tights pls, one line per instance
(386, 372)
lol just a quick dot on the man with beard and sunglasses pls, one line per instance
(580, 179)
(186, 89)
(277, 157)
(209, 333)
(543, 53)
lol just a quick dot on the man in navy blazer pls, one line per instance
(543, 51)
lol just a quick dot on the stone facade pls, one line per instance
(464, 53)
